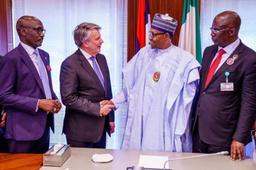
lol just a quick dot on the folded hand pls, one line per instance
(106, 106)
(3, 120)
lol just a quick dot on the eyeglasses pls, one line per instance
(217, 30)
(39, 30)
(151, 34)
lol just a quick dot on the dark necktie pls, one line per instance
(213, 67)
(97, 70)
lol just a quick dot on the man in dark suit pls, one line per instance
(227, 94)
(2, 120)
(85, 87)
(26, 91)
(3, 144)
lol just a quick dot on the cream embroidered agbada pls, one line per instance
(160, 85)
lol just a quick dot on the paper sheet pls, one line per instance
(152, 161)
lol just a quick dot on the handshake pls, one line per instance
(106, 106)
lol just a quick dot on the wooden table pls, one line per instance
(20, 161)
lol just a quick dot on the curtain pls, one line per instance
(60, 17)
(246, 10)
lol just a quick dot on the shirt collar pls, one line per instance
(229, 49)
(85, 54)
(161, 51)
(30, 50)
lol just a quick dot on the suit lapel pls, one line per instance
(223, 68)
(25, 57)
(86, 65)
(210, 57)
(47, 67)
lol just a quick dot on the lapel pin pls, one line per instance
(230, 61)
(226, 75)
(156, 76)
(235, 56)
(49, 68)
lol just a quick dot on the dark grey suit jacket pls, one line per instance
(81, 92)
(227, 115)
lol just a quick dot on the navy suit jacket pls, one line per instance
(1, 58)
(81, 92)
(20, 89)
(1, 107)
(227, 115)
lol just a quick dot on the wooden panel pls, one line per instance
(21, 161)
(5, 26)
(132, 24)
(172, 7)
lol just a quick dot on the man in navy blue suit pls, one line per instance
(26, 91)
(3, 144)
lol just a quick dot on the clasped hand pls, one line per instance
(49, 105)
(105, 107)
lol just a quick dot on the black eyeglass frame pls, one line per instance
(39, 30)
(151, 34)
(217, 30)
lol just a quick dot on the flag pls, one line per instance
(143, 24)
(189, 38)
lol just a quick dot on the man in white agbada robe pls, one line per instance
(160, 84)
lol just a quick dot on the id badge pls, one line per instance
(227, 86)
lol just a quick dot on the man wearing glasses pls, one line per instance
(26, 91)
(160, 84)
(227, 98)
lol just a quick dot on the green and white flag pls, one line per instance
(189, 39)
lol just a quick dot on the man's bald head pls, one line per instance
(30, 30)
(229, 19)
(25, 21)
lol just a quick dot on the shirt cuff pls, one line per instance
(37, 105)
(116, 105)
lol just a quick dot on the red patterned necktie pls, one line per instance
(213, 67)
